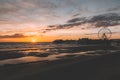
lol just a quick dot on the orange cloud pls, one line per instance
(16, 35)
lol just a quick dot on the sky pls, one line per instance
(48, 20)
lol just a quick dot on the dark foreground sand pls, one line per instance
(106, 67)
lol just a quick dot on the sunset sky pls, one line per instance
(47, 20)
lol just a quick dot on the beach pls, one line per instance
(59, 39)
(70, 67)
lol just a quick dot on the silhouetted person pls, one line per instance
(104, 37)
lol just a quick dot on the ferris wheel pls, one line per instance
(104, 33)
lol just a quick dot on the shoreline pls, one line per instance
(22, 71)
(20, 52)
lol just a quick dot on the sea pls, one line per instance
(19, 52)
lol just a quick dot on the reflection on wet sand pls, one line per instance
(28, 59)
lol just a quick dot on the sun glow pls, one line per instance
(34, 40)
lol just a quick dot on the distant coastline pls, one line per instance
(87, 41)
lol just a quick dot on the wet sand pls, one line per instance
(20, 52)
(105, 67)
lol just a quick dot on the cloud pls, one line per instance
(103, 20)
(75, 15)
(114, 8)
(27, 10)
(52, 12)
(110, 19)
(8, 6)
(16, 35)
(74, 20)
(7, 10)
(19, 15)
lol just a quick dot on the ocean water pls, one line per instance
(15, 53)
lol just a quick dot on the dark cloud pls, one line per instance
(17, 35)
(83, 19)
(64, 26)
(75, 15)
(109, 16)
(113, 9)
(104, 20)
(110, 19)
(55, 11)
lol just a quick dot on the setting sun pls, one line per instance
(34, 40)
